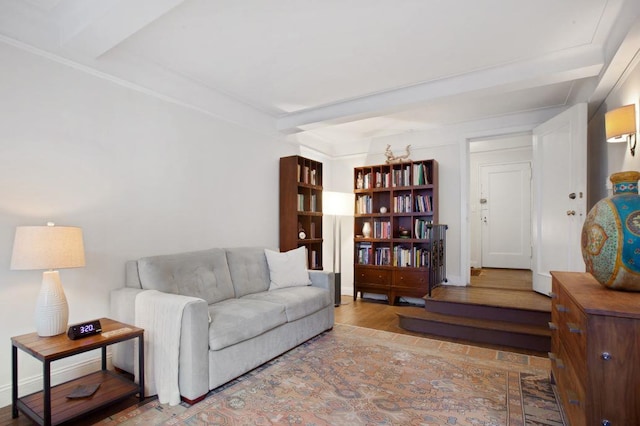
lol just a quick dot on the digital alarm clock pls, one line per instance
(84, 329)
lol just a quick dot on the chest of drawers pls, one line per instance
(595, 351)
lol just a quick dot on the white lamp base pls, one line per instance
(52, 310)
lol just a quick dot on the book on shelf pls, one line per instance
(312, 230)
(300, 202)
(314, 259)
(364, 204)
(422, 228)
(402, 204)
(314, 206)
(383, 256)
(381, 229)
(364, 253)
(404, 257)
(423, 203)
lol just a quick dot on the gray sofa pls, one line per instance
(234, 323)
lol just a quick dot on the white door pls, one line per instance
(505, 203)
(559, 194)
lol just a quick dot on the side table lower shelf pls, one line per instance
(112, 388)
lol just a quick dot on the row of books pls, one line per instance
(364, 204)
(422, 228)
(402, 204)
(422, 174)
(414, 257)
(308, 175)
(313, 205)
(367, 256)
(381, 229)
(424, 203)
(402, 257)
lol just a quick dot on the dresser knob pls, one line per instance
(605, 422)
(552, 326)
(553, 295)
(562, 308)
(605, 356)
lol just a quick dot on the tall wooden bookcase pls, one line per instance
(404, 255)
(301, 207)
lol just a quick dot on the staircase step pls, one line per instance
(486, 312)
(531, 337)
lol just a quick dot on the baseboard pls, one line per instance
(33, 384)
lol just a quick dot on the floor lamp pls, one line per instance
(337, 204)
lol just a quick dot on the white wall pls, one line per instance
(141, 176)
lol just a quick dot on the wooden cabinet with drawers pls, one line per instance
(595, 351)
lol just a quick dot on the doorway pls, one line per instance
(500, 211)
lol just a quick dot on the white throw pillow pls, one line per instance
(288, 269)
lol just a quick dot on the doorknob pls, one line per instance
(571, 212)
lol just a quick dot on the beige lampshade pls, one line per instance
(620, 123)
(47, 247)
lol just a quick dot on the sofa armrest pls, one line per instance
(194, 342)
(323, 279)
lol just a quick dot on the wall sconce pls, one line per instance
(620, 126)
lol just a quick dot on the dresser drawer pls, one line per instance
(570, 387)
(571, 332)
(414, 279)
(364, 275)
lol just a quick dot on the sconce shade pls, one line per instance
(47, 247)
(620, 123)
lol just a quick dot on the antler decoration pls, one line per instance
(392, 159)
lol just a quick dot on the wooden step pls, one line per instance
(517, 306)
(517, 335)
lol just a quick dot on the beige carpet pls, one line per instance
(359, 376)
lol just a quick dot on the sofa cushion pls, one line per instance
(288, 269)
(249, 270)
(236, 320)
(298, 302)
(202, 274)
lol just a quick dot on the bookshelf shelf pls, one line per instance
(301, 207)
(405, 254)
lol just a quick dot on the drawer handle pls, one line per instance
(605, 422)
(606, 356)
(573, 328)
(552, 326)
(552, 356)
(559, 363)
(562, 308)
(553, 295)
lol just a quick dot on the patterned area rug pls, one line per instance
(359, 376)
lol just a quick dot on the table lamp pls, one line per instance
(49, 247)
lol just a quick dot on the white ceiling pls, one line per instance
(340, 70)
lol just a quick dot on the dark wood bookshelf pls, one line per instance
(301, 207)
(404, 253)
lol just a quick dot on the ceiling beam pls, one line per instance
(92, 36)
(581, 62)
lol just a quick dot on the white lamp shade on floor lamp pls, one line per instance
(337, 204)
(49, 247)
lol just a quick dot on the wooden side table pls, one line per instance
(51, 405)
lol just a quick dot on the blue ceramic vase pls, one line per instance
(611, 235)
